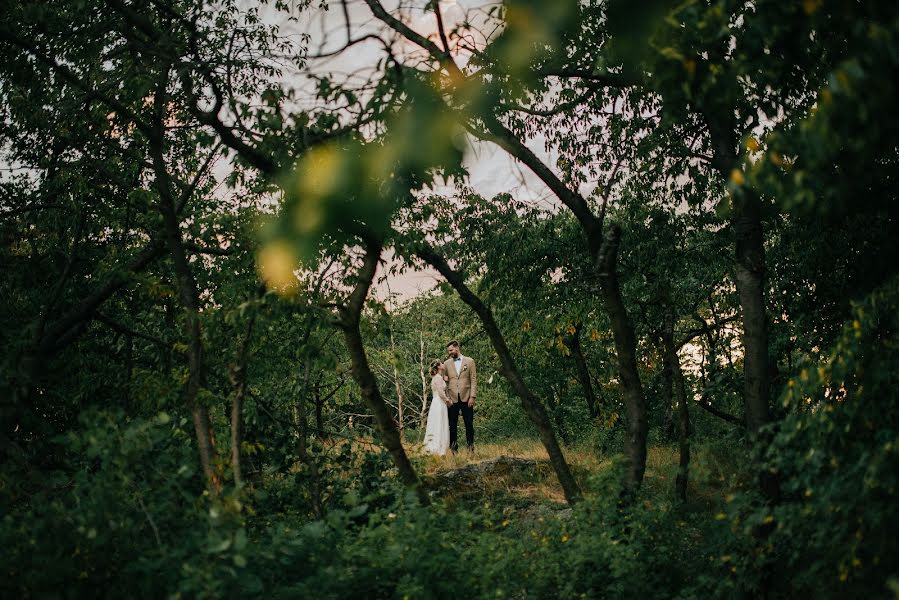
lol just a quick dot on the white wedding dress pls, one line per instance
(437, 429)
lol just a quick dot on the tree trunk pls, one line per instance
(605, 253)
(190, 298)
(746, 223)
(626, 349)
(319, 421)
(667, 394)
(302, 416)
(422, 417)
(319, 399)
(583, 373)
(557, 417)
(683, 413)
(187, 291)
(396, 383)
(238, 376)
(534, 409)
(672, 364)
(350, 315)
(750, 270)
(309, 461)
(129, 366)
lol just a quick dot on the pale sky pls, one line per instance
(491, 170)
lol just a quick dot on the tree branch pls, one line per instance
(51, 340)
(444, 58)
(706, 405)
(549, 112)
(505, 139)
(189, 190)
(694, 333)
(440, 31)
(118, 327)
(351, 311)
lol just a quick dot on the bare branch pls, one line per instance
(505, 139)
(436, 5)
(444, 58)
(189, 190)
(706, 405)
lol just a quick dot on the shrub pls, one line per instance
(836, 453)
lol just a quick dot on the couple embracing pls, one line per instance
(454, 385)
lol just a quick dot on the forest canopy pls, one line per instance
(237, 235)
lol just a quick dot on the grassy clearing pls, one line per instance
(714, 474)
(709, 477)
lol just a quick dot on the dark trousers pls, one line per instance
(467, 416)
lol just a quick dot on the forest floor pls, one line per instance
(517, 472)
(513, 478)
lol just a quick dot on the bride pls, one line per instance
(437, 430)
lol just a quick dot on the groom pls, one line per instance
(462, 387)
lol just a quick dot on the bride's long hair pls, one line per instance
(435, 366)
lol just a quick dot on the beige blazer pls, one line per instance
(464, 384)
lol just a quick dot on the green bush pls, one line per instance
(126, 504)
(836, 453)
(124, 513)
(129, 518)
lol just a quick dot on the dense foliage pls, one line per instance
(215, 379)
